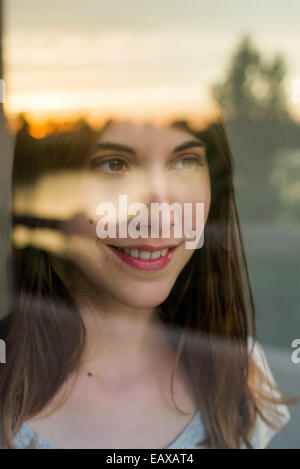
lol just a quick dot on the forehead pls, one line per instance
(145, 135)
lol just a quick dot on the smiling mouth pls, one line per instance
(144, 254)
(147, 258)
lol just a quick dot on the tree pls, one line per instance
(253, 88)
(254, 104)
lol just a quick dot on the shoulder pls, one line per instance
(24, 438)
(263, 432)
(28, 439)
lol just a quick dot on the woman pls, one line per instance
(100, 327)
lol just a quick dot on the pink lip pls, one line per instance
(145, 264)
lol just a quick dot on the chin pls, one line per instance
(144, 303)
(145, 298)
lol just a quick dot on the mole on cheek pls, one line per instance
(89, 374)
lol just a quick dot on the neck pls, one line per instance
(122, 342)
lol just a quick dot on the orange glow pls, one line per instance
(41, 124)
(41, 130)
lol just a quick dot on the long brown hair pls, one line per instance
(211, 306)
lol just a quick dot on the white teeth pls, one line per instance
(134, 252)
(145, 255)
(155, 254)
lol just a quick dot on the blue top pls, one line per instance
(194, 432)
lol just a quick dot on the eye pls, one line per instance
(190, 162)
(111, 166)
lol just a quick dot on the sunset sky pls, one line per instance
(66, 58)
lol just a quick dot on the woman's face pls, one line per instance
(148, 165)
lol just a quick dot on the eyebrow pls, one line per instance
(125, 148)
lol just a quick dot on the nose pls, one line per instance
(156, 186)
(157, 189)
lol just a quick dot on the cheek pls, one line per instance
(95, 190)
(196, 193)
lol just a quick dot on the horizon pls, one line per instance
(54, 72)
